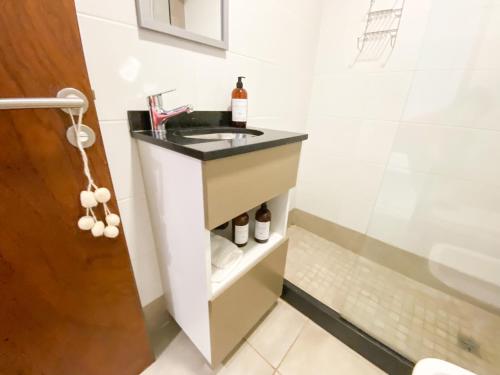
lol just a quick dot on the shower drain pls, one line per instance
(468, 343)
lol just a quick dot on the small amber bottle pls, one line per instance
(240, 229)
(262, 224)
(239, 105)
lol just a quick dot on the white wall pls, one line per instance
(272, 43)
(408, 152)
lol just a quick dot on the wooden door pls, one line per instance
(68, 302)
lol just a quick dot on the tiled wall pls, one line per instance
(408, 152)
(273, 43)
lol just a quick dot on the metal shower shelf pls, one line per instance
(376, 35)
(381, 23)
(385, 12)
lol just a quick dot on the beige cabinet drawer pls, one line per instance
(235, 184)
(236, 311)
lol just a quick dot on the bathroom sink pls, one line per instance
(214, 134)
(208, 135)
(432, 366)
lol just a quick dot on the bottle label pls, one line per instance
(240, 234)
(262, 230)
(239, 108)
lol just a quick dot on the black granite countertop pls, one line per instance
(206, 121)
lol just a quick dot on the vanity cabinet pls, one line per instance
(187, 199)
(235, 312)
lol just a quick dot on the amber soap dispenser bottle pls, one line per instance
(239, 105)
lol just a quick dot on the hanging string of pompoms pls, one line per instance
(93, 196)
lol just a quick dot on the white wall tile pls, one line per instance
(340, 190)
(141, 246)
(358, 94)
(279, 31)
(353, 138)
(254, 31)
(124, 69)
(339, 95)
(435, 120)
(455, 97)
(121, 67)
(121, 152)
(343, 23)
(410, 37)
(464, 153)
(244, 21)
(375, 140)
(299, 41)
(387, 93)
(427, 214)
(393, 218)
(271, 92)
(462, 35)
(113, 10)
(216, 82)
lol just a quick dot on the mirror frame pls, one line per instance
(146, 20)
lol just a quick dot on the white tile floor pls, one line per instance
(412, 318)
(285, 343)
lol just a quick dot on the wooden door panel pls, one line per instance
(68, 302)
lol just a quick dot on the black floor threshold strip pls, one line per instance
(373, 350)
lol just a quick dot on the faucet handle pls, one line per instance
(155, 100)
(166, 91)
(163, 92)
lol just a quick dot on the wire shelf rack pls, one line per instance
(381, 25)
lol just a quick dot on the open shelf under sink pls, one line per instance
(253, 252)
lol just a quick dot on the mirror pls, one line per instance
(202, 21)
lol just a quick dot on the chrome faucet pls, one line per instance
(159, 116)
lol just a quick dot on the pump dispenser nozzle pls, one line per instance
(239, 84)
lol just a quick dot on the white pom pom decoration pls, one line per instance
(87, 199)
(93, 195)
(98, 229)
(113, 219)
(102, 195)
(111, 231)
(86, 222)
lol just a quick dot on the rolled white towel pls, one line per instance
(224, 253)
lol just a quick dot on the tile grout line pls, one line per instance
(229, 51)
(402, 121)
(105, 19)
(260, 355)
(308, 321)
(293, 343)
(387, 162)
(424, 303)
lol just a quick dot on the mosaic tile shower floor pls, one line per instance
(412, 318)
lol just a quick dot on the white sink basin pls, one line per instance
(432, 366)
